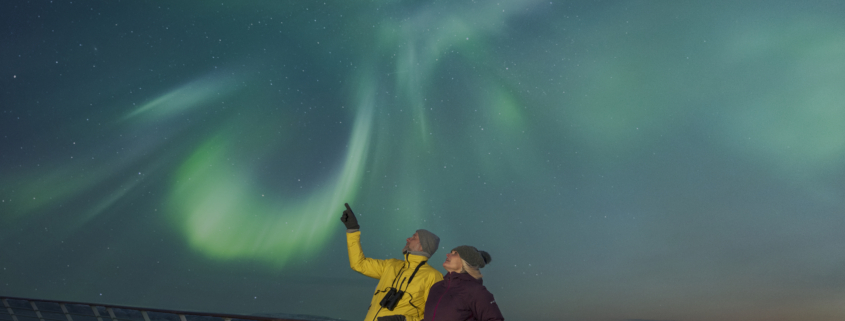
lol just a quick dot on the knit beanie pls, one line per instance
(473, 256)
(428, 241)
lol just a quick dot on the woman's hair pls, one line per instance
(471, 270)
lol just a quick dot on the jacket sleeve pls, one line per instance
(364, 265)
(485, 307)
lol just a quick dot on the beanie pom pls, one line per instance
(486, 257)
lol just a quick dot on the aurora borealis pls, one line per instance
(620, 160)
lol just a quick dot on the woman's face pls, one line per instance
(453, 262)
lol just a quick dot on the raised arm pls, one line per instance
(357, 261)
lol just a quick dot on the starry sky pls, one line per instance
(619, 160)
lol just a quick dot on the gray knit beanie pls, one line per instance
(473, 256)
(428, 241)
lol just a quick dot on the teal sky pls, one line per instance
(620, 160)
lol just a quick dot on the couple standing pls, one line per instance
(411, 290)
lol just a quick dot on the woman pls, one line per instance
(460, 296)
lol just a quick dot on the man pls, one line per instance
(403, 285)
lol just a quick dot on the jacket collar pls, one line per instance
(455, 276)
(414, 259)
(420, 253)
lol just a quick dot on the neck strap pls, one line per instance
(415, 273)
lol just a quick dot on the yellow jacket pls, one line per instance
(412, 304)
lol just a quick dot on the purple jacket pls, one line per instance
(460, 297)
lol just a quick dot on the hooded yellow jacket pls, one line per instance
(395, 273)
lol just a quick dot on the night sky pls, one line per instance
(620, 160)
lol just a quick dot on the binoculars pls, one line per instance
(392, 298)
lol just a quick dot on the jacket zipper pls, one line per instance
(448, 285)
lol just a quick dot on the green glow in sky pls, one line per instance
(224, 214)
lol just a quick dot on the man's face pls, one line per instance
(412, 244)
